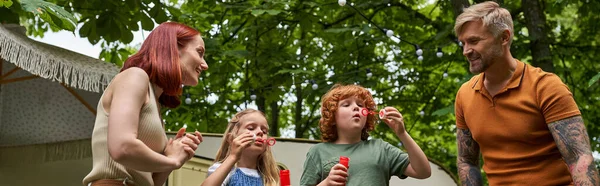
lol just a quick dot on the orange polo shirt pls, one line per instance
(511, 128)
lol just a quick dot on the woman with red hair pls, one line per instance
(129, 144)
(347, 117)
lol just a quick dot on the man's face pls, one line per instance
(479, 46)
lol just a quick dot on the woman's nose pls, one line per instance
(204, 65)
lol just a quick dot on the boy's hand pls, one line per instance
(394, 120)
(337, 176)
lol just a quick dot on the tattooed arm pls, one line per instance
(573, 143)
(468, 158)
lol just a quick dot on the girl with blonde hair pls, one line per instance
(244, 157)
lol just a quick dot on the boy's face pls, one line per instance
(254, 123)
(348, 116)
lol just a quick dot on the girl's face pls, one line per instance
(348, 116)
(254, 123)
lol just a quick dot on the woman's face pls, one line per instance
(191, 57)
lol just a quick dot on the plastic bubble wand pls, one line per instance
(268, 141)
(366, 112)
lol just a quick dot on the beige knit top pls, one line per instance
(150, 132)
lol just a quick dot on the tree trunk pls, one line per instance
(538, 35)
(458, 6)
(260, 103)
(274, 124)
(298, 112)
(299, 97)
(500, 2)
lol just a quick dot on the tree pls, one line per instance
(277, 50)
(109, 22)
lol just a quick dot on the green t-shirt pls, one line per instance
(372, 162)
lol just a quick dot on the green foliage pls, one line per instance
(50, 13)
(109, 21)
(116, 54)
(274, 48)
(594, 80)
(6, 3)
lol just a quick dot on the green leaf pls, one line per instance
(312, 4)
(257, 12)
(294, 71)
(273, 12)
(444, 111)
(594, 79)
(205, 15)
(147, 23)
(53, 14)
(174, 11)
(133, 26)
(340, 30)
(8, 3)
(126, 36)
(132, 5)
(237, 53)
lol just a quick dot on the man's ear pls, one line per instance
(505, 36)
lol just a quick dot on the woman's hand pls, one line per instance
(182, 148)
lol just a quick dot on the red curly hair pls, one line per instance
(329, 107)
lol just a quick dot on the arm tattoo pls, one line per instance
(468, 158)
(573, 143)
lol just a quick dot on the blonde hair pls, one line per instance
(494, 17)
(266, 164)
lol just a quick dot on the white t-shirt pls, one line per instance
(246, 171)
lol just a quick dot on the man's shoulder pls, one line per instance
(535, 77)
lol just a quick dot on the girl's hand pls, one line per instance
(394, 120)
(238, 144)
